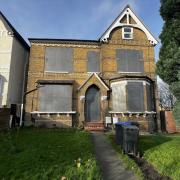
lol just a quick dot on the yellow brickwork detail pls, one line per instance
(79, 75)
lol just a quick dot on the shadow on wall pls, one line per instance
(2, 81)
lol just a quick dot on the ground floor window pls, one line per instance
(135, 96)
(55, 98)
(132, 96)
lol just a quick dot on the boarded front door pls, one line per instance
(92, 104)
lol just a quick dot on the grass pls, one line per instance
(163, 152)
(129, 163)
(47, 154)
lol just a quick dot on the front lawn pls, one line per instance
(47, 154)
(163, 152)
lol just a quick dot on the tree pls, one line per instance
(168, 66)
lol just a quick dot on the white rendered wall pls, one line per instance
(5, 60)
(19, 61)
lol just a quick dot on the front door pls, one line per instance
(92, 104)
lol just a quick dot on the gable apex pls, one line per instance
(128, 13)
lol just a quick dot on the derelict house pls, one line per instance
(88, 83)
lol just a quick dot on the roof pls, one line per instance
(15, 33)
(127, 11)
(45, 40)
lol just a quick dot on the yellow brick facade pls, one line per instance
(108, 70)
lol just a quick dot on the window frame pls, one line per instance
(131, 72)
(91, 72)
(58, 71)
(130, 33)
(40, 97)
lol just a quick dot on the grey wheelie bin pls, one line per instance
(127, 136)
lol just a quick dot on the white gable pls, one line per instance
(128, 13)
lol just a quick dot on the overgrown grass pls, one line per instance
(163, 152)
(47, 154)
(130, 164)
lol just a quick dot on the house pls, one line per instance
(87, 83)
(14, 53)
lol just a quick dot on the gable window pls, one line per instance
(129, 60)
(127, 33)
(93, 64)
(59, 59)
(55, 98)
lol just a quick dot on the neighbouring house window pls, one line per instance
(55, 98)
(93, 64)
(119, 96)
(129, 60)
(127, 33)
(1, 85)
(59, 59)
(135, 96)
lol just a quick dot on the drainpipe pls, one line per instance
(21, 116)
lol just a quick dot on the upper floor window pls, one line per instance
(129, 60)
(93, 64)
(59, 59)
(127, 33)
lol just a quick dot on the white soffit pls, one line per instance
(129, 13)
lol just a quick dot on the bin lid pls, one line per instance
(128, 123)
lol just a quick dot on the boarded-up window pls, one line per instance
(55, 98)
(119, 96)
(59, 59)
(149, 97)
(129, 60)
(135, 92)
(93, 64)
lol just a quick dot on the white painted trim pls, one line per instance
(128, 112)
(127, 11)
(131, 33)
(57, 112)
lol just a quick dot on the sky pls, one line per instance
(76, 19)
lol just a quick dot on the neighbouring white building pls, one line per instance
(14, 52)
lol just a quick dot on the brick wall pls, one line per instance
(80, 75)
